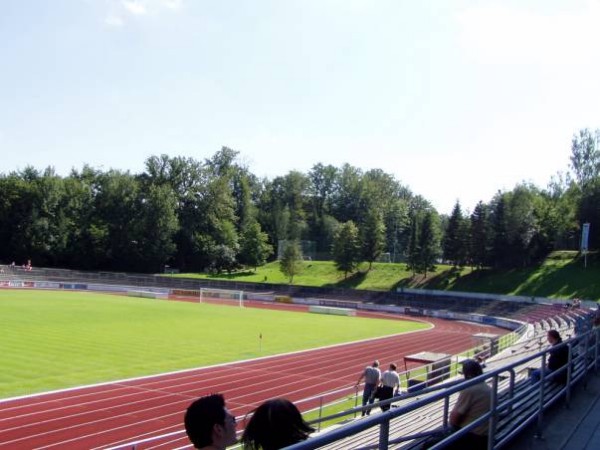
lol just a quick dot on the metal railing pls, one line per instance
(518, 406)
(433, 384)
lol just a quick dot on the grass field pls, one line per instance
(561, 275)
(53, 340)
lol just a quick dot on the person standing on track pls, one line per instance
(209, 425)
(390, 381)
(372, 376)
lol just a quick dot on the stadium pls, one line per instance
(427, 333)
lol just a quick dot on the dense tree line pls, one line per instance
(216, 215)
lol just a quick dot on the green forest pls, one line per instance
(216, 216)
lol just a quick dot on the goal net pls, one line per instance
(231, 297)
(221, 296)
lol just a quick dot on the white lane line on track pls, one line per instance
(183, 371)
(193, 377)
(232, 399)
(221, 365)
(172, 386)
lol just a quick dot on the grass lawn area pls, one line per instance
(320, 273)
(560, 275)
(53, 340)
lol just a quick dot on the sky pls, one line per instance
(456, 98)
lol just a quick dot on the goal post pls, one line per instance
(224, 296)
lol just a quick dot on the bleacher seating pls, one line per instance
(518, 399)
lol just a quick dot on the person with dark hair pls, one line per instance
(472, 403)
(559, 357)
(390, 381)
(372, 375)
(209, 425)
(275, 424)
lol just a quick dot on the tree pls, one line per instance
(117, 225)
(295, 188)
(373, 236)
(291, 261)
(398, 226)
(346, 248)
(455, 242)
(558, 217)
(414, 249)
(585, 156)
(480, 236)
(424, 244)
(245, 210)
(158, 224)
(347, 193)
(223, 258)
(429, 243)
(322, 184)
(500, 243)
(255, 247)
(589, 211)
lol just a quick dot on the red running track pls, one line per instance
(114, 413)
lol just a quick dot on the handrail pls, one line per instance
(588, 340)
(511, 337)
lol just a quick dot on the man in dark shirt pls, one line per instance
(209, 425)
(372, 375)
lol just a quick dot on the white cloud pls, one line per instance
(499, 34)
(172, 4)
(135, 7)
(120, 10)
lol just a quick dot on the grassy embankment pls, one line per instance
(561, 275)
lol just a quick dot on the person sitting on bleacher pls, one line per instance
(559, 357)
(275, 424)
(209, 425)
(472, 403)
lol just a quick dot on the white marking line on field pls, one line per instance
(80, 437)
(96, 422)
(72, 416)
(232, 399)
(187, 378)
(150, 435)
(220, 365)
(171, 386)
(176, 372)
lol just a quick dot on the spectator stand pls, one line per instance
(517, 402)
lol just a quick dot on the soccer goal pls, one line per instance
(224, 296)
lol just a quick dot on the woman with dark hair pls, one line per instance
(559, 357)
(275, 424)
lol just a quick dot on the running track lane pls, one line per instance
(101, 416)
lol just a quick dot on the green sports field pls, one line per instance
(51, 340)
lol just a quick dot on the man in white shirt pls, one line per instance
(390, 381)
